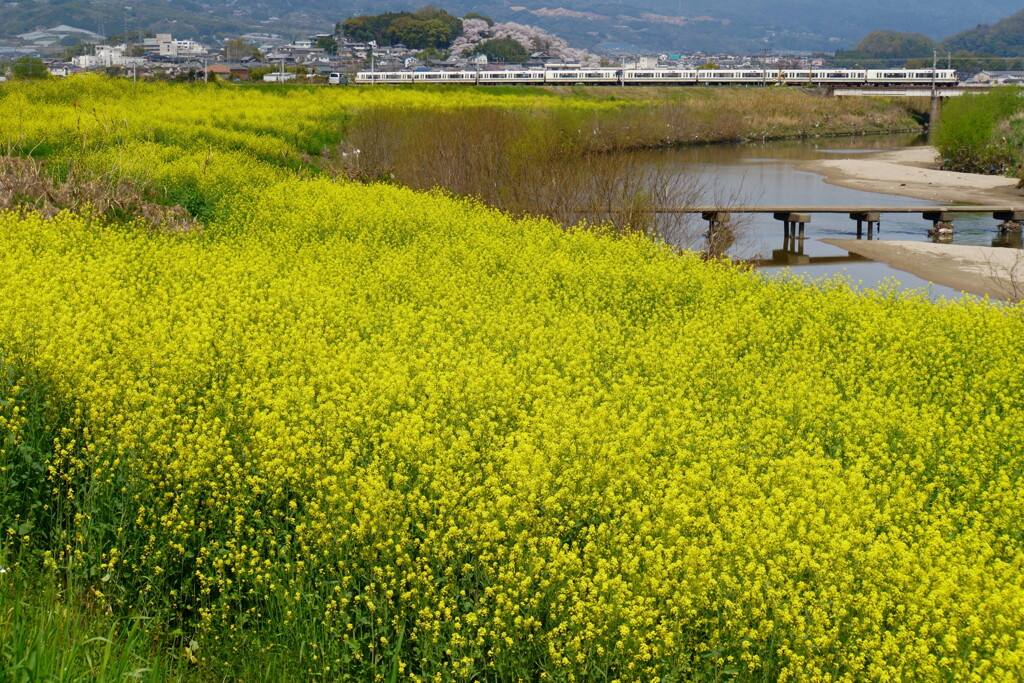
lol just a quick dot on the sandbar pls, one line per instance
(914, 172)
(995, 272)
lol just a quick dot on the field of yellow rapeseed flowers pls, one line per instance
(360, 432)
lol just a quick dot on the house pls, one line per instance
(62, 69)
(998, 77)
(229, 72)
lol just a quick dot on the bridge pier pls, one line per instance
(872, 218)
(715, 219)
(793, 221)
(933, 112)
(1011, 220)
(719, 236)
(942, 223)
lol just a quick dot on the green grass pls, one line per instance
(50, 633)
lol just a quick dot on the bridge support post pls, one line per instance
(942, 223)
(719, 236)
(872, 218)
(1011, 220)
(934, 110)
(792, 222)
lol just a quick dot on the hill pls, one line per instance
(1005, 38)
(880, 48)
(656, 25)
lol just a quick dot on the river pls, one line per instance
(765, 173)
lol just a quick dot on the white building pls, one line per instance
(86, 61)
(107, 56)
(169, 47)
(186, 48)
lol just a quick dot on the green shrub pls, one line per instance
(971, 133)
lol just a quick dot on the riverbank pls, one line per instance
(915, 172)
(986, 271)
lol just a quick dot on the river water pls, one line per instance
(764, 173)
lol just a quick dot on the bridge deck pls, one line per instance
(958, 208)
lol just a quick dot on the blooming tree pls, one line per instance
(476, 31)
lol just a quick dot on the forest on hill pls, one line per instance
(997, 46)
(1005, 38)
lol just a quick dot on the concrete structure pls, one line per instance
(168, 46)
(795, 218)
(104, 56)
(278, 77)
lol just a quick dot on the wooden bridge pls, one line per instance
(795, 218)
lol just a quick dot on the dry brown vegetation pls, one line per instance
(27, 184)
(524, 164)
(559, 162)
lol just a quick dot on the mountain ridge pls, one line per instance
(652, 26)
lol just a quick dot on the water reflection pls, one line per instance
(793, 253)
(1010, 239)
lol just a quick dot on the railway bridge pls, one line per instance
(906, 91)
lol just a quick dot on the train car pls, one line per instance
(732, 76)
(839, 76)
(521, 76)
(370, 77)
(444, 76)
(794, 76)
(658, 76)
(911, 77)
(587, 76)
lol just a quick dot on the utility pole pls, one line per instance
(935, 61)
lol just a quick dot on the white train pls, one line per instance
(670, 76)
